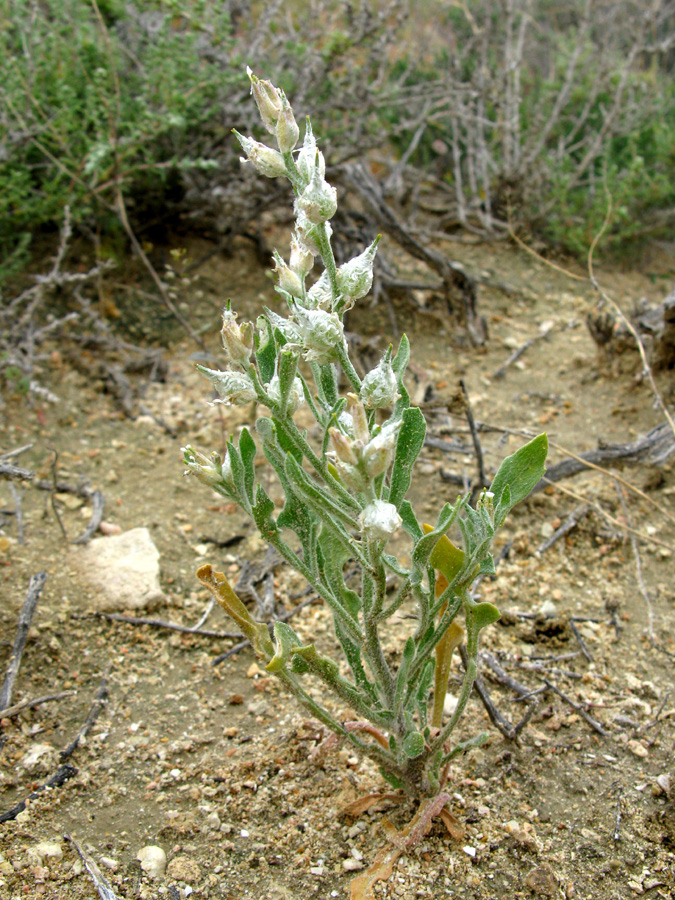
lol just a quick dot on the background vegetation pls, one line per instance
(528, 111)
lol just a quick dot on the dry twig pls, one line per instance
(35, 586)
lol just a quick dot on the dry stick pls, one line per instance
(12, 711)
(160, 623)
(101, 696)
(570, 522)
(646, 368)
(501, 371)
(503, 676)
(53, 496)
(638, 567)
(62, 774)
(496, 717)
(584, 649)
(482, 479)
(595, 725)
(105, 892)
(35, 586)
(18, 514)
(98, 503)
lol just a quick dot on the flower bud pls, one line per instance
(302, 259)
(379, 388)
(487, 501)
(379, 520)
(379, 451)
(318, 201)
(310, 157)
(320, 295)
(214, 472)
(287, 130)
(321, 333)
(267, 161)
(288, 280)
(359, 419)
(237, 339)
(234, 388)
(344, 447)
(296, 395)
(268, 100)
(355, 278)
(307, 232)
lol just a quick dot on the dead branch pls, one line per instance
(99, 700)
(161, 623)
(101, 883)
(35, 586)
(515, 356)
(653, 448)
(98, 503)
(595, 725)
(62, 774)
(568, 525)
(12, 711)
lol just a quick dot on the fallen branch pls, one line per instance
(12, 711)
(515, 356)
(595, 725)
(25, 617)
(161, 623)
(62, 774)
(101, 883)
(568, 525)
(98, 503)
(97, 705)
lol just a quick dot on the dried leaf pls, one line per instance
(454, 827)
(362, 804)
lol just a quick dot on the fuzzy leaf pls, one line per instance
(266, 355)
(520, 472)
(485, 614)
(247, 449)
(410, 442)
(285, 639)
(413, 744)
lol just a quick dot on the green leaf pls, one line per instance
(519, 472)
(485, 614)
(410, 523)
(285, 639)
(413, 744)
(410, 442)
(262, 513)
(399, 364)
(402, 674)
(266, 355)
(392, 563)
(247, 450)
(328, 384)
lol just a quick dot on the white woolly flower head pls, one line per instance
(237, 339)
(379, 520)
(379, 450)
(234, 388)
(214, 472)
(309, 157)
(355, 278)
(318, 201)
(321, 333)
(267, 161)
(379, 388)
(320, 296)
(268, 100)
(296, 396)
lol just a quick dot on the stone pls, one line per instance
(152, 860)
(39, 759)
(638, 749)
(184, 868)
(44, 853)
(122, 570)
(542, 881)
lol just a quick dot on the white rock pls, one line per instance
(153, 860)
(548, 609)
(44, 853)
(38, 758)
(122, 570)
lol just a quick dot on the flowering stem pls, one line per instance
(347, 367)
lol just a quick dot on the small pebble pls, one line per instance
(153, 860)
